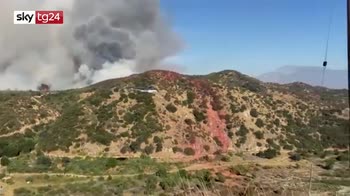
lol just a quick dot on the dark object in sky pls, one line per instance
(44, 88)
(324, 63)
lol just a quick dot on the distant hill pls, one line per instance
(336, 79)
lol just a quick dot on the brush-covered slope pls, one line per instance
(187, 117)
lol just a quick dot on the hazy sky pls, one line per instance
(256, 36)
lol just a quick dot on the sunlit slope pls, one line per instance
(169, 115)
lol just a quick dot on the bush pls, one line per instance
(230, 134)
(183, 174)
(43, 162)
(189, 122)
(190, 97)
(189, 151)
(206, 148)
(111, 163)
(259, 135)
(171, 108)
(268, 154)
(243, 131)
(243, 108)
(177, 149)
(124, 149)
(220, 178)
(295, 157)
(150, 184)
(329, 164)
(217, 141)
(149, 149)
(239, 170)
(199, 116)
(259, 123)
(162, 172)
(5, 161)
(157, 139)
(159, 147)
(277, 122)
(288, 147)
(254, 113)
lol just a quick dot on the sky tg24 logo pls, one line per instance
(38, 17)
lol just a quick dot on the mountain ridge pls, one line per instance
(220, 112)
(336, 79)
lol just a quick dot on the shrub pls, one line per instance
(259, 135)
(206, 148)
(230, 134)
(329, 164)
(159, 147)
(217, 141)
(189, 122)
(183, 173)
(190, 97)
(254, 113)
(243, 108)
(150, 184)
(243, 131)
(177, 149)
(199, 116)
(189, 151)
(99, 135)
(44, 161)
(171, 108)
(268, 154)
(239, 170)
(295, 157)
(5, 161)
(135, 146)
(204, 176)
(288, 147)
(277, 122)
(162, 172)
(220, 178)
(157, 139)
(259, 123)
(111, 163)
(342, 157)
(124, 149)
(149, 149)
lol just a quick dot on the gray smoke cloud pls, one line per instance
(100, 39)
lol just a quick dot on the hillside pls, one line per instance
(184, 118)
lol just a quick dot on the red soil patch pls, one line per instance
(165, 75)
(217, 127)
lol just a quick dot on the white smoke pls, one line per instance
(100, 39)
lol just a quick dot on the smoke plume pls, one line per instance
(100, 39)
